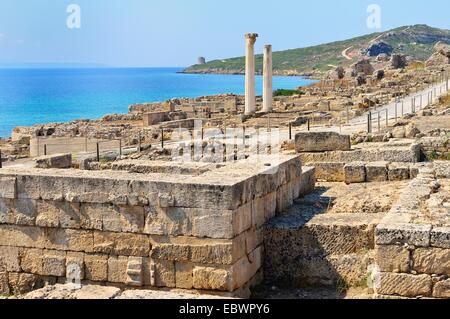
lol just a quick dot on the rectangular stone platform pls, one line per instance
(199, 231)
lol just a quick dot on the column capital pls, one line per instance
(251, 36)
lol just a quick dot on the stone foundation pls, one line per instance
(202, 232)
(413, 240)
(362, 172)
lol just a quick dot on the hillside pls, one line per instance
(416, 41)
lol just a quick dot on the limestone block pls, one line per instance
(52, 188)
(321, 142)
(393, 258)
(352, 269)
(184, 275)
(20, 236)
(117, 269)
(54, 263)
(96, 267)
(307, 182)
(377, 171)
(110, 216)
(74, 267)
(204, 253)
(440, 237)
(432, 261)
(404, 285)
(291, 236)
(398, 172)
(284, 198)
(69, 239)
(5, 210)
(23, 212)
(242, 217)
(121, 244)
(28, 187)
(213, 226)
(355, 173)
(214, 254)
(54, 161)
(103, 189)
(9, 258)
(175, 252)
(135, 271)
(172, 221)
(271, 205)
(247, 267)
(31, 261)
(22, 283)
(207, 196)
(164, 273)
(253, 238)
(258, 212)
(48, 215)
(330, 172)
(91, 216)
(58, 214)
(442, 289)
(210, 278)
(391, 234)
(132, 219)
(8, 187)
(4, 282)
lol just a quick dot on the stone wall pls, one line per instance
(202, 232)
(361, 172)
(413, 241)
(436, 147)
(321, 142)
(154, 118)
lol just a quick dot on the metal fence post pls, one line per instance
(98, 152)
(290, 131)
(348, 115)
(162, 138)
(139, 145)
(1, 160)
(379, 122)
(396, 110)
(120, 147)
(45, 149)
(387, 118)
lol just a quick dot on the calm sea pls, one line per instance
(34, 96)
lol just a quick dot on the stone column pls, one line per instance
(267, 80)
(250, 96)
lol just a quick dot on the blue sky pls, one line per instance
(176, 32)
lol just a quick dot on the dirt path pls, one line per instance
(345, 53)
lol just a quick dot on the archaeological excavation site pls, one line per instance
(340, 190)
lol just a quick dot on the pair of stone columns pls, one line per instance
(250, 96)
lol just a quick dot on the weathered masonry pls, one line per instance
(202, 231)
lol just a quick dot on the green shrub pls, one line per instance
(284, 92)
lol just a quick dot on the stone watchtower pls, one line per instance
(201, 60)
